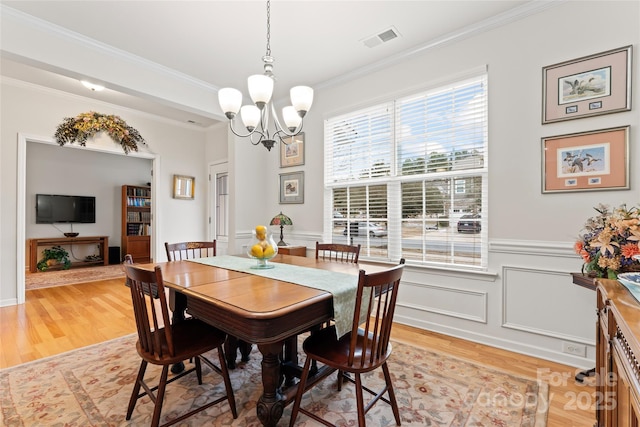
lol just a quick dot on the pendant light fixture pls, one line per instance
(256, 117)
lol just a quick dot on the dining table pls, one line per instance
(268, 308)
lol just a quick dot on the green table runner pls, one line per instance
(342, 286)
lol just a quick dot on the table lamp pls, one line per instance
(281, 220)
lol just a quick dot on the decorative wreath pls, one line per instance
(86, 125)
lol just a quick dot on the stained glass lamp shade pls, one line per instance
(281, 220)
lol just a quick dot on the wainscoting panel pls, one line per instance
(448, 301)
(544, 302)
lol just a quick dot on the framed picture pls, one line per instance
(588, 86)
(183, 187)
(292, 187)
(292, 151)
(596, 160)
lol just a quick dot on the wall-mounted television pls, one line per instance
(52, 208)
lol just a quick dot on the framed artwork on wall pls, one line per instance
(183, 187)
(292, 187)
(292, 151)
(587, 86)
(586, 161)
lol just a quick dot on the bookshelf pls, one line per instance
(136, 222)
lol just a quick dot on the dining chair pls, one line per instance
(365, 348)
(338, 252)
(190, 250)
(162, 343)
(329, 252)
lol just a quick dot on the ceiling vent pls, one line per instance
(382, 37)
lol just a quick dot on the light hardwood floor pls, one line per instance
(60, 319)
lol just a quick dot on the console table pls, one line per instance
(101, 241)
(293, 250)
(617, 356)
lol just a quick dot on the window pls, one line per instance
(407, 178)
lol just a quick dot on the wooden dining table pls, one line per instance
(259, 310)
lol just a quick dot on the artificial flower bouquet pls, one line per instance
(609, 242)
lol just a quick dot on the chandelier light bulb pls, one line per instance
(301, 98)
(291, 118)
(250, 116)
(260, 89)
(230, 100)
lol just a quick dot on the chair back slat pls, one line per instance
(338, 252)
(150, 309)
(190, 250)
(375, 303)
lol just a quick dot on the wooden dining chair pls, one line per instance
(190, 250)
(338, 252)
(328, 252)
(362, 350)
(162, 343)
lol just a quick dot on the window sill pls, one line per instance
(487, 276)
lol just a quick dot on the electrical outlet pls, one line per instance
(574, 349)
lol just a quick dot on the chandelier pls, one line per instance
(256, 117)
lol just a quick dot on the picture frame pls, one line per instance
(588, 86)
(292, 187)
(292, 151)
(586, 161)
(183, 187)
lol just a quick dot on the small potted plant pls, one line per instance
(53, 256)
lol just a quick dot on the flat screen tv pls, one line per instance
(52, 208)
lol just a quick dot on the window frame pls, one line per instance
(395, 179)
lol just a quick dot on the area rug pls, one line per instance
(91, 386)
(47, 279)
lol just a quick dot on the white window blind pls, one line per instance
(417, 168)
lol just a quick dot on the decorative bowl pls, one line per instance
(630, 279)
(262, 248)
(71, 234)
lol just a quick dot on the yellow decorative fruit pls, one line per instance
(261, 232)
(256, 251)
(269, 252)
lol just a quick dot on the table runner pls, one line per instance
(342, 286)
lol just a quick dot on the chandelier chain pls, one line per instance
(268, 28)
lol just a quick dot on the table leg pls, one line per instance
(178, 304)
(271, 404)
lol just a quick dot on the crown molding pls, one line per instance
(513, 15)
(46, 27)
(527, 9)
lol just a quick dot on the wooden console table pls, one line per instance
(617, 356)
(101, 241)
(293, 250)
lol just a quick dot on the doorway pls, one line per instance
(101, 146)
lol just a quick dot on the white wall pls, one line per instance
(36, 111)
(527, 302)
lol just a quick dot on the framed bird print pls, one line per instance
(596, 160)
(588, 86)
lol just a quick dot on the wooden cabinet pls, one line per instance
(136, 222)
(293, 250)
(101, 241)
(617, 356)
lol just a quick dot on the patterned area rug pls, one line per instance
(91, 387)
(47, 279)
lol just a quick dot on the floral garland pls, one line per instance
(609, 242)
(86, 125)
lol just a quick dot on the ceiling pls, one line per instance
(221, 43)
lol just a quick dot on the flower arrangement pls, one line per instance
(86, 125)
(610, 241)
